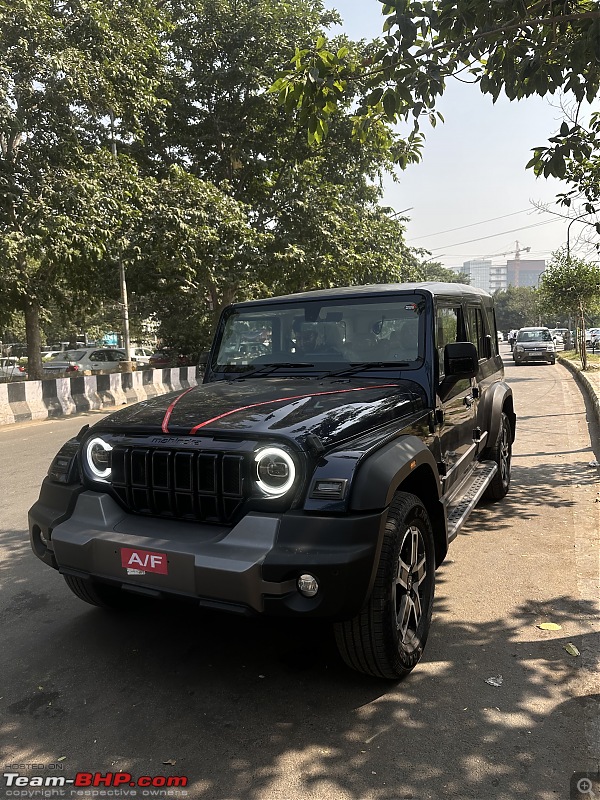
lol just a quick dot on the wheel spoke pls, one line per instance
(414, 547)
(403, 573)
(420, 572)
(416, 603)
(403, 618)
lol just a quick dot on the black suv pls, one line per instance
(339, 441)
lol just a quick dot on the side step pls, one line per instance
(468, 495)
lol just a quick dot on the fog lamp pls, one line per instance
(308, 585)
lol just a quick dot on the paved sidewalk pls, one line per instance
(589, 381)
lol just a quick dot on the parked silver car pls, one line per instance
(89, 358)
(534, 344)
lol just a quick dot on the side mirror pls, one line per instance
(203, 358)
(461, 360)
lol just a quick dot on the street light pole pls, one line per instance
(122, 277)
(579, 328)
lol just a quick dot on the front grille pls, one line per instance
(205, 487)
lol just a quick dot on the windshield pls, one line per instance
(69, 355)
(542, 335)
(366, 330)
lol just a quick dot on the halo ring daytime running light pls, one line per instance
(100, 474)
(275, 489)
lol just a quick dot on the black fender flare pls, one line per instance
(497, 398)
(380, 474)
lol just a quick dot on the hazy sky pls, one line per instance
(473, 171)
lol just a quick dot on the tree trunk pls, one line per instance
(34, 340)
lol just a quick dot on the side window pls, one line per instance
(448, 329)
(98, 355)
(477, 332)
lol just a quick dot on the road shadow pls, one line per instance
(252, 708)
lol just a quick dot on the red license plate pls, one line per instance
(138, 562)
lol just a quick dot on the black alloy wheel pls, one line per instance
(387, 638)
(501, 453)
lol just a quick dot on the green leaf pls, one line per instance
(390, 104)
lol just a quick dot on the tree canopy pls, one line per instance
(516, 307)
(66, 69)
(519, 47)
(572, 285)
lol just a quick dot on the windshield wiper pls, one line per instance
(364, 365)
(267, 369)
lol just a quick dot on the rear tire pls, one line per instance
(501, 453)
(387, 638)
(96, 594)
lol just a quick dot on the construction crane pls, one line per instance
(517, 252)
(516, 277)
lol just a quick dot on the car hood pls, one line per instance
(332, 409)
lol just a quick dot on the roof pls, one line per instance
(373, 290)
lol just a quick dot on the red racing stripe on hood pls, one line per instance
(284, 400)
(165, 422)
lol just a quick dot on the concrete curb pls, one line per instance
(23, 401)
(589, 382)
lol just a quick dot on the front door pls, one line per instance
(455, 414)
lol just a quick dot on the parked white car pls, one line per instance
(592, 337)
(89, 358)
(141, 355)
(11, 369)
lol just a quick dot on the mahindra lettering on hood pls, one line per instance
(338, 442)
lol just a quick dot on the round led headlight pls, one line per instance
(275, 471)
(97, 455)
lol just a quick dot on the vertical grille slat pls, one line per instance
(177, 484)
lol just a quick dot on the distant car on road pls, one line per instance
(534, 344)
(89, 358)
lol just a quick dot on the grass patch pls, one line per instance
(592, 358)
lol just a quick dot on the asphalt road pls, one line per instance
(262, 710)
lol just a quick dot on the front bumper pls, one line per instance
(522, 357)
(252, 567)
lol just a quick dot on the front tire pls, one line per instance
(387, 638)
(501, 453)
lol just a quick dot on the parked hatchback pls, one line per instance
(89, 358)
(534, 344)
